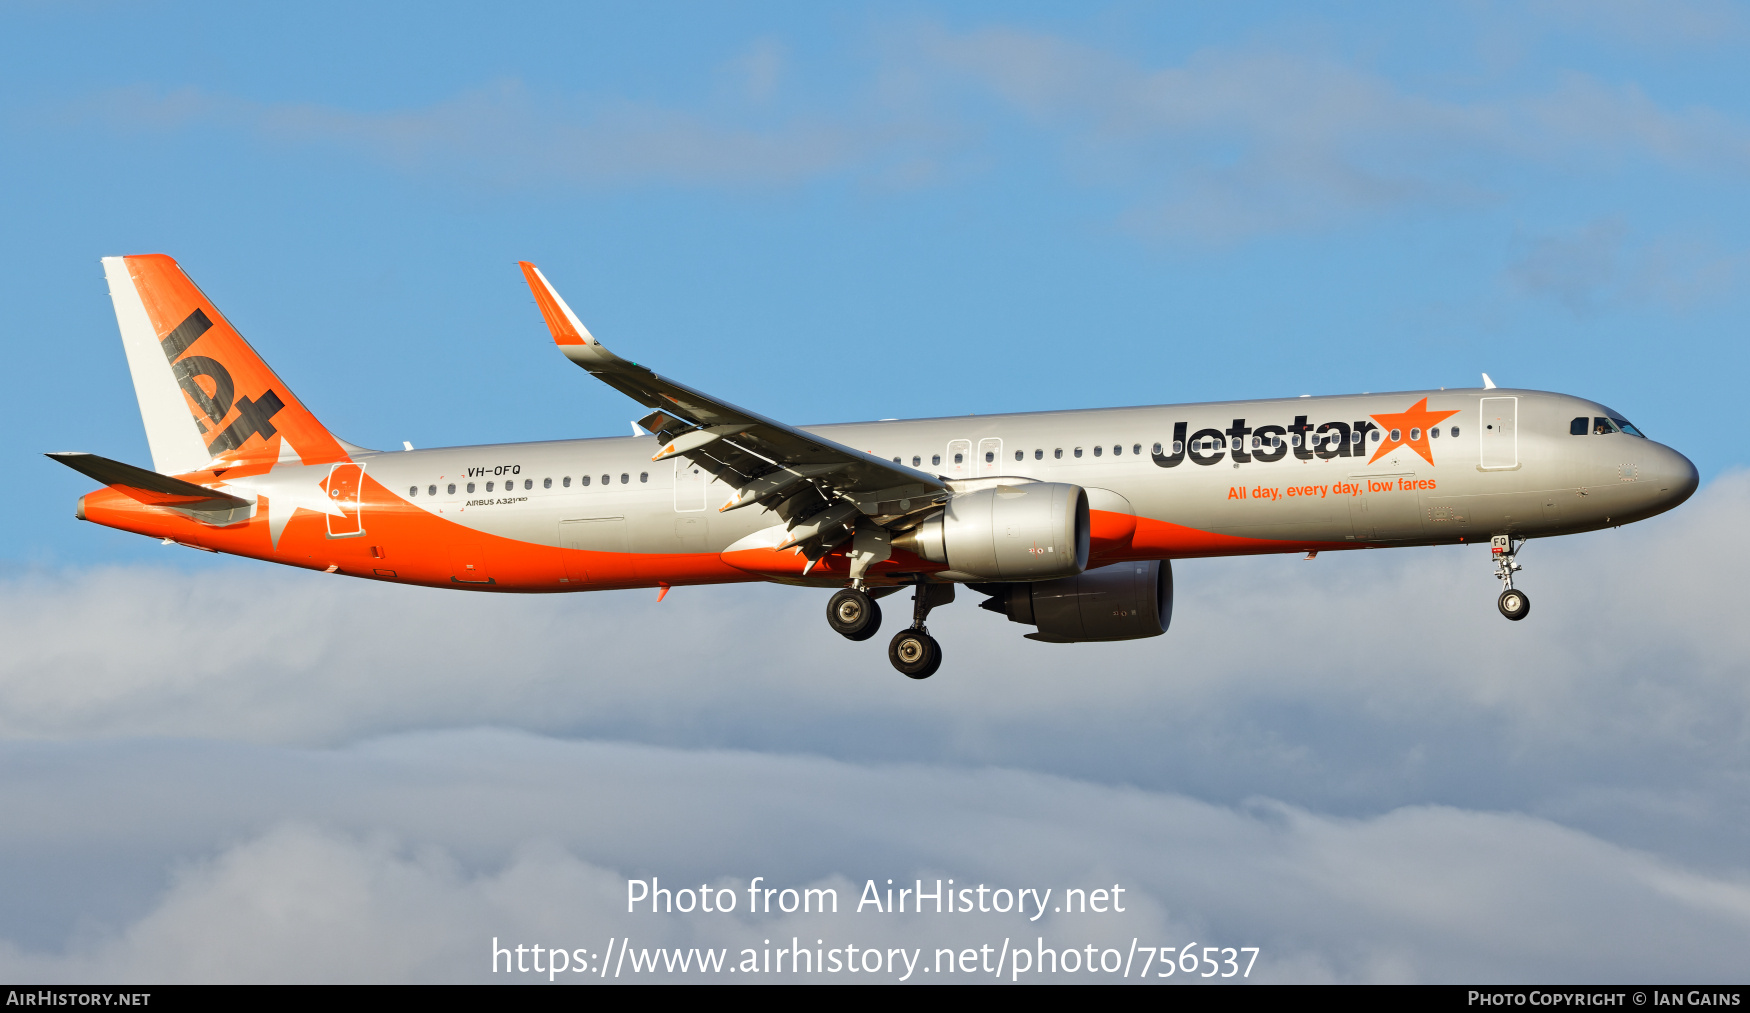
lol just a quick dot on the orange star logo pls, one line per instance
(1400, 427)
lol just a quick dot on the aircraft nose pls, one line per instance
(1673, 475)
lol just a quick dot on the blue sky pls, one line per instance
(867, 211)
(985, 209)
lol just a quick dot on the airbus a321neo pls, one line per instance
(1066, 521)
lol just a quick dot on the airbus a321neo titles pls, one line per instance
(1066, 521)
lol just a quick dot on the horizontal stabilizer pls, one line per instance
(148, 486)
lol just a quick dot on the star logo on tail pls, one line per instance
(1398, 429)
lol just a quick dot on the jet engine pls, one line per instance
(1124, 601)
(1007, 532)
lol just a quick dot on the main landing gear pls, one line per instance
(913, 651)
(1513, 603)
(854, 615)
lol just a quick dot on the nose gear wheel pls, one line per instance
(1513, 603)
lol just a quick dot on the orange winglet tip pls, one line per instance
(660, 595)
(566, 328)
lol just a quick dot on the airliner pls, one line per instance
(1066, 522)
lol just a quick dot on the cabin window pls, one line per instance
(1057, 454)
(1434, 433)
(1355, 436)
(489, 487)
(1117, 451)
(1157, 450)
(896, 460)
(1396, 435)
(1099, 450)
(566, 481)
(1020, 454)
(644, 476)
(470, 487)
(529, 483)
(452, 488)
(1374, 433)
(584, 480)
(625, 478)
(1178, 447)
(989, 456)
(1038, 455)
(1453, 431)
(546, 483)
(1257, 442)
(959, 458)
(916, 460)
(1137, 450)
(607, 479)
(1078, 451)
(1236, 444)
(1294, 441)
(413, 490)
(1416, 433)
(431, 490)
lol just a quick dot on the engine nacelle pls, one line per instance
(1124, 601)
(1007, 532)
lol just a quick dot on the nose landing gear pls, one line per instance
(1513, 603)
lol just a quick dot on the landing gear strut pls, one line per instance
(913, 651)
(1513, 603)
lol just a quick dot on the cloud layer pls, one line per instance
(400, 860)
(1226, 144)
(1352, 762)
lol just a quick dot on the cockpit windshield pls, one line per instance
(1603, 425)
(1627, 427)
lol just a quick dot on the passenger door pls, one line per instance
(1499, 435)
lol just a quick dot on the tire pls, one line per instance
(915, 654)
(853, 615)
(1514, 604)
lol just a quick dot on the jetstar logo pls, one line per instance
(1409, 429)
(254, 415)
(1306, 440)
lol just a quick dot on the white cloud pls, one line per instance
(427, 847)
(1352, 683)
(1234, 143)
(1227, 144)
(506, 135)
(1352, 762)
(1598, 267)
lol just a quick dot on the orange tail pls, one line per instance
(207, 399)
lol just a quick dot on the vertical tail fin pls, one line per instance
(204, 394)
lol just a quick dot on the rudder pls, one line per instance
(205, 396)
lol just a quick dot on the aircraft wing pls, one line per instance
(765, 460)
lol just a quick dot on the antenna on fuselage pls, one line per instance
(1488, 384)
